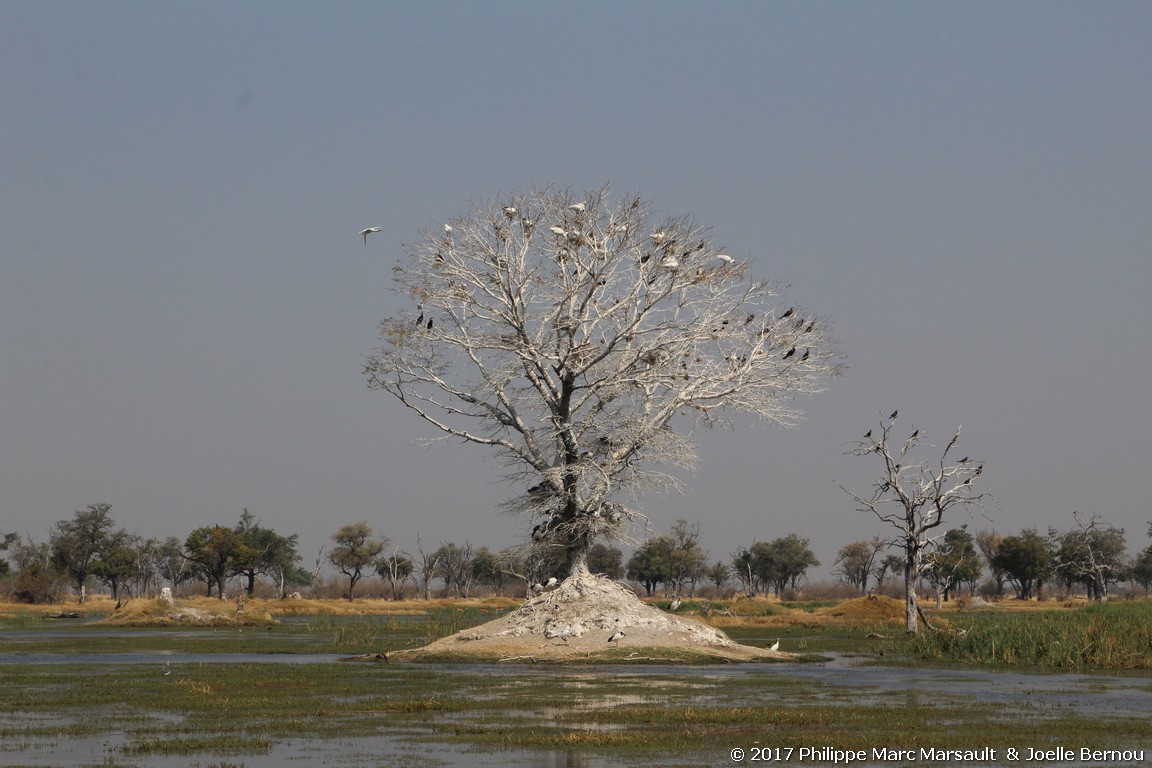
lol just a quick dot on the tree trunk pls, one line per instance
(577, 553)
(911, 605)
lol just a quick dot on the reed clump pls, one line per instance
(1100, 636)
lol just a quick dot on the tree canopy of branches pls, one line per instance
(119, 562)
(269, 553)
(6, 541)
(218, 553)
(914, 497)
(1091, 554)
(607, 561)
(1142, 566)
(396, 568)
(649, 563)
(854, 562)
(676, 560)
(77, 543)
(579, 337)
(456, 568)
(774, 564)
(354, 551)
(1026, 561)
(953, 562)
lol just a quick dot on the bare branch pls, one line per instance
(578, 337)
(914, 497)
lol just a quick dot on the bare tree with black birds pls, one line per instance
(552, 336)
(915, 498)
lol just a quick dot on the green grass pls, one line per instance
(237, 709)
(1115, 635)
(646, 716)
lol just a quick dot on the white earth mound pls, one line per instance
(575, 621)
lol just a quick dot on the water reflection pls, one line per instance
(841, 680)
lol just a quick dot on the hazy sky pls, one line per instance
(185, 303)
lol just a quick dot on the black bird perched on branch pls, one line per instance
(867, 434)
(893, 416)
(788, 313)
(914, 435)
(789, 353)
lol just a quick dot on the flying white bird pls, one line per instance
(725, 258)
(578, 207)
(370, 231)
(775, 646)
(616, 637)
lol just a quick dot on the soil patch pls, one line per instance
(161, 613)
(589, 619)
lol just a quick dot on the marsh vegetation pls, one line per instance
(311, 687)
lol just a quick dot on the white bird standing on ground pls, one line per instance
(616, 637)
(775, 646)
(551, 583)
(675, 605)
(370, 231)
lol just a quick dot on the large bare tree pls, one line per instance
(581, 337)
(915, 497)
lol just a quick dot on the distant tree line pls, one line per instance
(90, 551)
(1090, 558)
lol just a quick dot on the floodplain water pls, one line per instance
(842, 680)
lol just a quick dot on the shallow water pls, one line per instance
(842, 680)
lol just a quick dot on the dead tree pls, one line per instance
(914, 498)
(580, 339)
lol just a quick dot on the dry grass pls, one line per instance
(860, 612)
(102, 605)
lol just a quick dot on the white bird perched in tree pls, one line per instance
(558, 230)
(616, 637)
(578, 207)
(669, 262)
(725, 258)
(447, 229)
(509, 211)
(657, 237)
(370, 231)
(775, 646)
